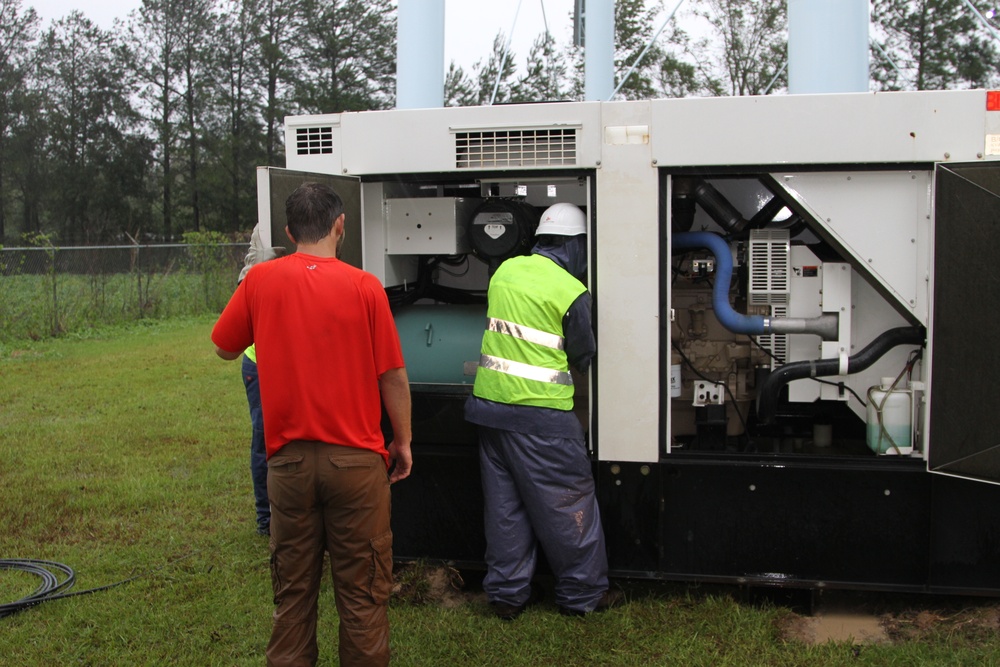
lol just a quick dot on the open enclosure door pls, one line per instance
(965, 415)
(273, 187)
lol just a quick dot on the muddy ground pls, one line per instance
(859, 617)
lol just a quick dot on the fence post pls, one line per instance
(51, 251)
(134, 268)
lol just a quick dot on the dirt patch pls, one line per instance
(878, 619)
(18, 354)
(423, 584)
(977, 619)
(836, 626)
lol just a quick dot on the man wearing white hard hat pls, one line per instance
(537, 481)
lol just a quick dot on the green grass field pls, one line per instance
(126, 454)
(37, 307)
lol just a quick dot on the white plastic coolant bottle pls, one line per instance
(895, 426)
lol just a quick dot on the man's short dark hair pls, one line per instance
(311, 211)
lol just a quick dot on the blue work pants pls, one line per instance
(539, 490)
(258, 455)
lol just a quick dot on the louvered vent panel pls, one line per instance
(314, 140)
(770, 262)
(515, 148)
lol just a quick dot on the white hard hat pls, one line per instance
(562, 220)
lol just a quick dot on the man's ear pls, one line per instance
(289, 235)
(338, 224)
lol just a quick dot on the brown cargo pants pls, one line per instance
(334, 498)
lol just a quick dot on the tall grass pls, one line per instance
(127, 454)
(92, 288)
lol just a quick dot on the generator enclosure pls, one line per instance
(795, 304)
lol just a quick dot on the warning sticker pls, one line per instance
(495, 231)
(993, 144)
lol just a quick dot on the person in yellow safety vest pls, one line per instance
(257, 253)
(538, 486)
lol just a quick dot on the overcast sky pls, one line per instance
(470, 25)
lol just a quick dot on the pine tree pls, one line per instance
(279, 37)
(932, 45)
(93, 141)
(633, 31)
(348, 58)
(750, 44)
(196, 18)
(494, 82)
(544, 73)
(234, 129)
(154, 42)
(678, 78)
(18, 32)
(664, 68)
(459, 88)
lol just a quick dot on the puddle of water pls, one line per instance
(842, 626)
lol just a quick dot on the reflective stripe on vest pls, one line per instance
(525, 371)
(527, 333)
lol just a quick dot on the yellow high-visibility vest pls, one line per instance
(523, 359)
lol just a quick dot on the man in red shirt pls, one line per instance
(329, 357)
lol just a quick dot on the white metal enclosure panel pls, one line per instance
(626, 268)
(805, 300)
(264, 206)
(851, 128)
(312, 143)
(428, 140)
(373, 229)
(883, 218)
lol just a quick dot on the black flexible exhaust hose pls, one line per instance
(767, 394)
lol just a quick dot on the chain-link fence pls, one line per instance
(49, 291)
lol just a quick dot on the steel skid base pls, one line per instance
(884, 525)
(878, 525)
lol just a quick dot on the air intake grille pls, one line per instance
(770, 261)
(314, 140)
(515, 148)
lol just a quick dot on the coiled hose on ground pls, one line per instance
(56, 580)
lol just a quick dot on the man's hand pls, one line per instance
(400, 455)
(395, 388)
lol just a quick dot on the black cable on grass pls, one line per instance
(56, 579)
(50, 582)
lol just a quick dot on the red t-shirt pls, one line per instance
(324, 334)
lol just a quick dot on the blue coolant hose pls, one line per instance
(753, 325)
